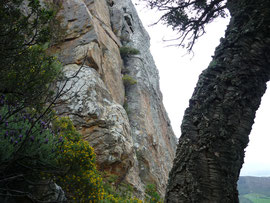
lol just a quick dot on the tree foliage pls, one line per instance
(28, 144)
(221, 111)
(188, 17)
(23, 140)
(26, 69)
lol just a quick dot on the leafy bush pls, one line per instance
(27, 144)
(27, 150)
(26, 69)
(127, 51)
(152, 195)
(25, 140)
(118, 192)
(128, 80)
(81, 180)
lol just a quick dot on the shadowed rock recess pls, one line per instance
(136, 142)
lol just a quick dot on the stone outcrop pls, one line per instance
(152, 134)
(138, 146)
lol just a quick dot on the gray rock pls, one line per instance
(95, 97)
(150, 125)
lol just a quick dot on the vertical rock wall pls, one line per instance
(138, 146)
(152, 134)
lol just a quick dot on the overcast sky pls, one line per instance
(179, 73)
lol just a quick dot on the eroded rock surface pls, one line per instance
(139, 146)
(152, 134)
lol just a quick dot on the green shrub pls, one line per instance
(28, 146)
(128, 80)
(22, 139)
(25, 140)
(81, 181)
(27, 70)
(27, 151)
(152, 195)
(118, 192)
(127, 51)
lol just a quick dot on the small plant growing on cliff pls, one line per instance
(127, 51)
(128, 80)
(118, 192)
(151, 194)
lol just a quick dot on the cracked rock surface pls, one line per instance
(138, 146)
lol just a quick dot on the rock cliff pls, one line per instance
(136, 142)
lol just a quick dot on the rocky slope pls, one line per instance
(136, 142)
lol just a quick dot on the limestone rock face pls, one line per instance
(102, 121)
(138, 146)
(88, 36)
(154, 140)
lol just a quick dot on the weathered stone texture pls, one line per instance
(138, 147)
(152, 134)
(102, 121)
(87, 36)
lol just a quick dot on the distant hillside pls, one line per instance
(254, 189)
(250, 184)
